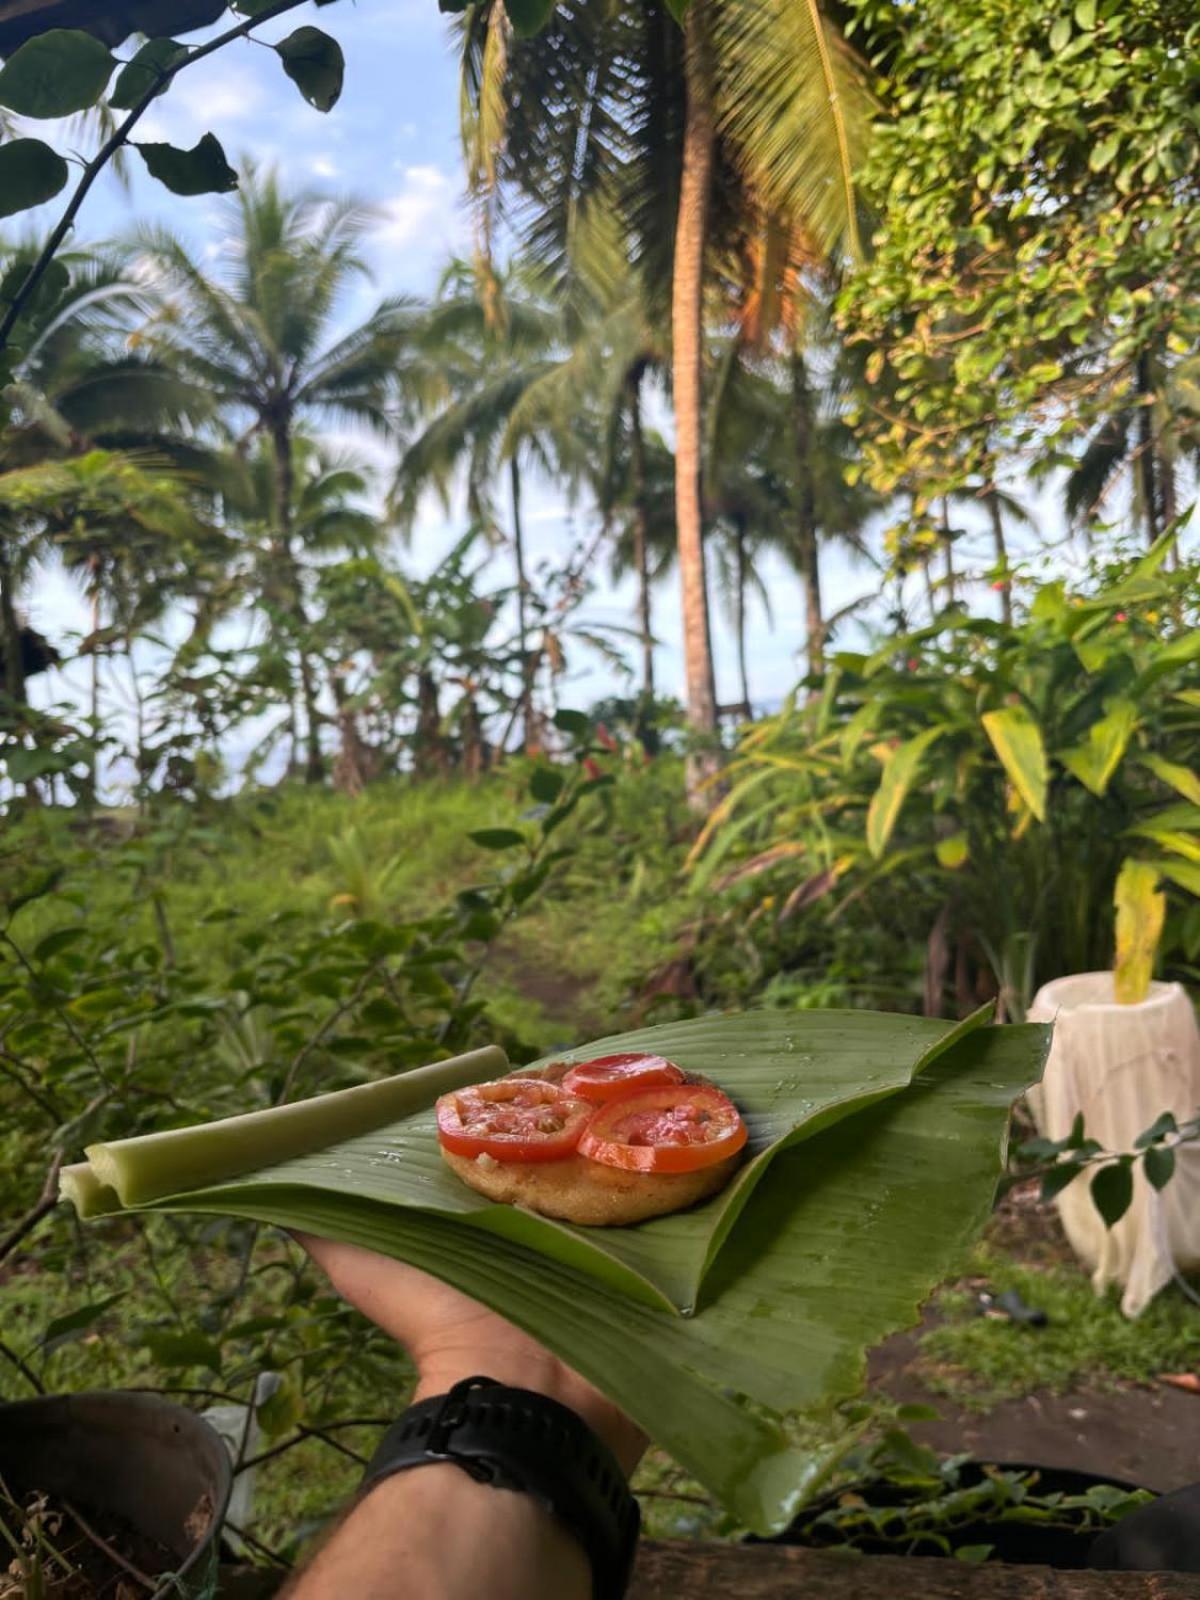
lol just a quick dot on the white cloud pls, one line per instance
(325, 167)
(425, 212)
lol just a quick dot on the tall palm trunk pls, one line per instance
(641, 528)
(1001, 549)
(808, 550)
(1146, 454)
(281, 444)
(948, 551)
(10, 630)
(527, 664)
(742, 578)
(688, 342)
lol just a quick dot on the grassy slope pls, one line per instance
(564, 970)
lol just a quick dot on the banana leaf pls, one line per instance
(875, 1147)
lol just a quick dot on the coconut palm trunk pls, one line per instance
(281, 447)
(527, 664)
(10, 629)
(687, 330)
(948, 552)
(1001, 549)
(742, 578)
(808, 549)
(641, 529)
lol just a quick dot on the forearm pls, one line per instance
(435, 1532)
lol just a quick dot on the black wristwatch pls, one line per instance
(517, 1439)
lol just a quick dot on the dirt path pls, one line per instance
(1148, 1434)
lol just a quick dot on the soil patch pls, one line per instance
(1144, 1433)
(80, 1553)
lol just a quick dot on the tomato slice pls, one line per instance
(513, 1119)
(678, 1129)
(612, 1077)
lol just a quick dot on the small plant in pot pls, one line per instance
(898, 1498)
(108, 1489)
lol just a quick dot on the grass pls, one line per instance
(567, 968)
(980, 1361)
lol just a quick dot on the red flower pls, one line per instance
(912, 663)
(604, 738)
(1000, 583)
(1121, 617)
(591, 767)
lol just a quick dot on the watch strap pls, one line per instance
(518, 1439)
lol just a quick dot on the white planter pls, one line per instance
(1122, 1066)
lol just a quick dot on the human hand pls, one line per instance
(451, 1337)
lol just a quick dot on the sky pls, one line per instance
(393, 139)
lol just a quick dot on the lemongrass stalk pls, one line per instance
(155, 1165)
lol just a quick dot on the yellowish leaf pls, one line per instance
(1141, 907)
(1017, 741)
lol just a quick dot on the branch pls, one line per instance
(44, 1205)
(109, 149)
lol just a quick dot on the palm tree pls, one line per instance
(605, 107)
(487, 341)
(263, 335)
(79, 384)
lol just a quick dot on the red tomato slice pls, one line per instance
(665, 1130)
(611, 1077)
(513, 1119)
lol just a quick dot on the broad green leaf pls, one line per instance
(1180, 652)
(529, 17)
(497, 838)
(1180, 778)
(1173, 839)
(1185, 874)
(1017, 741)
(575, 722)
(201, 170)
(1060, 34)
(546, 784)
(828, 1252)
(1095, 761)
(1162, 1125)
(30, 174)
(1141, 907)
(146, 72)
(55, 74)
(898, 776)
(1085, 14)
(74, 1324)
(856, 730)
(190, 1349)
(1112, 1191)
(1159, 1166)
(281, 1411)
(315, 64)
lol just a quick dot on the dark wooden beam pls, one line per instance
(687, 1570)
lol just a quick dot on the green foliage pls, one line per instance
(55, 74)
(146, 72)
(30, 174)
(201, 170)
(315, 64)
(1034, 272)
(946, 767)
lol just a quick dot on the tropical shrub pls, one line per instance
(995, 779)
